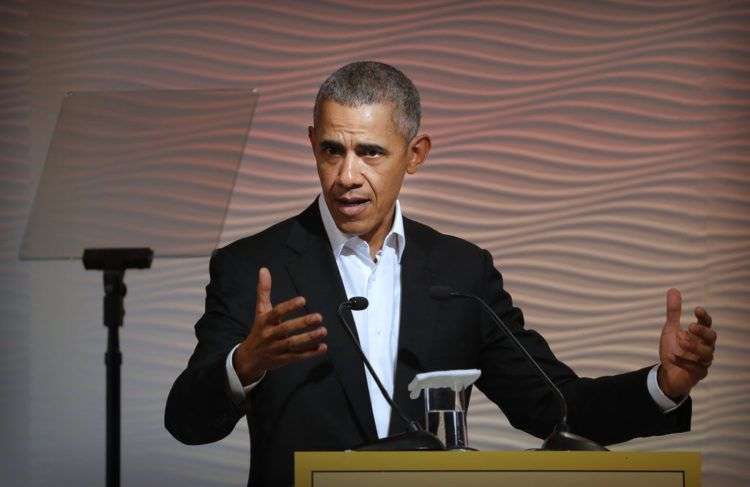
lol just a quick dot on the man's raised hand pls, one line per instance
(273, 342)
(685, 355)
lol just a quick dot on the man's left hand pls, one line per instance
(685, 355)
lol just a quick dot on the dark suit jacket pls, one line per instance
(323, 403)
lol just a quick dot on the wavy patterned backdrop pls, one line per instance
(15, 187)
(599, 150)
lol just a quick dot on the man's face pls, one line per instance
(361, 159)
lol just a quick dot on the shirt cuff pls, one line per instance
(664, 402)
(237, 391)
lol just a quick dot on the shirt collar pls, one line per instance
(339, 239)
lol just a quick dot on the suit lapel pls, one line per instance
(416, 327)
(316, 277)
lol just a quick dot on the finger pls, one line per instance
(302, 342)
(694, 345)
(284, 308)
(295, 326)
(708, 335)
(674, 306)
(689, 353)
(305, 342)
(263, 292)
(682, 354)
(693, 358)
(703, 317)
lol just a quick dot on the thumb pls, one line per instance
(674, 307)
(263, 292)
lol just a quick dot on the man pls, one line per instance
(272, 350)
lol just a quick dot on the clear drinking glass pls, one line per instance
(445, 410)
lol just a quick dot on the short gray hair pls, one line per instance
(369, 83)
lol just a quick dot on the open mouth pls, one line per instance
(351, 206)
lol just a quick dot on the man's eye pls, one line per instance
(331, 151)
(371, 153)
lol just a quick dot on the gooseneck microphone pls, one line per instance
(416, 438)
(359, 303)
(561, 437)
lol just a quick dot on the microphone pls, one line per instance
(414, 439)
(561, 438)
(357, 303)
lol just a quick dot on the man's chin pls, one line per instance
(353, 227)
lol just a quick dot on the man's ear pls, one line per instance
(311, 136)
(418, 150)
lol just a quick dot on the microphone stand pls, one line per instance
(561, 438)
(114, 262)
(414, 439)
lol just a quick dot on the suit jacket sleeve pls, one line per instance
(199, 408)
(609, 409)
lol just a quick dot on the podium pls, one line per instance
(508, 469)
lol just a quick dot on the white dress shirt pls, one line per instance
(379, 280)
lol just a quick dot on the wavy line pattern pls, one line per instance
(599, 150)
(15, 188)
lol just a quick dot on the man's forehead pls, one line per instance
(375, 119)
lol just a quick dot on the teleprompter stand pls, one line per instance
(114, 263)
(130, 175)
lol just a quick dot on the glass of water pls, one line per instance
(445, 410)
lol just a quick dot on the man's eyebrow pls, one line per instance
(332, 144)
(365, 148)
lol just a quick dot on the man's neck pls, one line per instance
(376, 238)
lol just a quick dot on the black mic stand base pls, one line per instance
(409, 441)
(114, 262)
(567, 441)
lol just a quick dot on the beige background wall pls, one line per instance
(600, 150)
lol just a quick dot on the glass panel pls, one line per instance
(149, 168)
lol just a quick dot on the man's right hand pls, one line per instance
(273, 342)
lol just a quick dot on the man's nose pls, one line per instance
(350, 172)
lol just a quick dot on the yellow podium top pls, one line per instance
(509, 469)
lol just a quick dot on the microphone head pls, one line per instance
(441, 293)
(358, 303)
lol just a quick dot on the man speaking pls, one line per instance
(269, 346)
